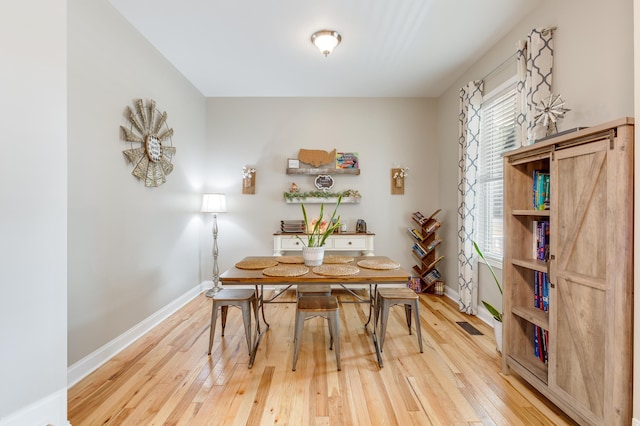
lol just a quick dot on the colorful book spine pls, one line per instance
(541, 190)
(540, 301)
(415, 233)
(419, 251)
(540, 239)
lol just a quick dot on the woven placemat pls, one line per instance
(378, 264)
(286, 271)
(256, 263)
(290, 259)
(336, 270)
(337, 259)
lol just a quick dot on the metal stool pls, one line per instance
(317, 306)
(387, 297)
(242, 298)
(312, 290)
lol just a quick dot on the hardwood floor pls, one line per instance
(166, 377)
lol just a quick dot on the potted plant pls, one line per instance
(497, 315)
(318, 230)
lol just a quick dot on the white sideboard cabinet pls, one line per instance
(345, 241)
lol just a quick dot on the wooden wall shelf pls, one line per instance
(318, 200)
(322, 171)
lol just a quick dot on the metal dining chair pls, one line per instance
(244, 299)
(388, 297)
(317, 306)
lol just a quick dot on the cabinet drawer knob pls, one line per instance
(350, 243)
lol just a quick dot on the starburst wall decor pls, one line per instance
(153, 157)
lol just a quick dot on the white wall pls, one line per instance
(593, 71)
(264, 132)
(33, 243)
(132, 249)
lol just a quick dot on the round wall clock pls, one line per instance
(152, 159)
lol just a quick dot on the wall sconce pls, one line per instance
(397, 180)
(248, 180)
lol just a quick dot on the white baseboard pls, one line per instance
(91, 362)
(635, 422)
(50, 410)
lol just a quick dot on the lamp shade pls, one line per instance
(213, 203)
(326, 40)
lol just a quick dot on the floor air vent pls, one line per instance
(469, 328)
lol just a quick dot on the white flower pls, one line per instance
(401, 173)
(247, 172)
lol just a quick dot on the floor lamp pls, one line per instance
(214, 203)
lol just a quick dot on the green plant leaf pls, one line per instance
(493, 311)
(495, 278)
(316, 238)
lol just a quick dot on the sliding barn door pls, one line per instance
(590, 299)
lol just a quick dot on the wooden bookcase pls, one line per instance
(588, 368)
(425, 242)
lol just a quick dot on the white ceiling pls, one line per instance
(390, 48)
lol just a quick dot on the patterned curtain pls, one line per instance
(534, 69)
(468, 141)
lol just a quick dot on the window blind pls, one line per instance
(497, 135)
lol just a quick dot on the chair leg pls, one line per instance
(214, 314)
(254, 304)
(297, 337)
(223, 317)
(418, 327)
(335, 319)
(376, 313)
(383, 324)
(407, 314)
(246, 319)
(330, 323)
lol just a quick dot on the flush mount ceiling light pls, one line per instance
(326, 40)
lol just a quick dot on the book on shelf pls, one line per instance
(416, 234)
(541, 344)
(540, 301)
(541, 291)
(540, 239)
(431, 276)
(438, 288)
(292, 226)
(431, 228)
(419, 217)
(536, 290)
(545, 291)
(541, 190)
(419, 251)
(433, 244)
(415, 284)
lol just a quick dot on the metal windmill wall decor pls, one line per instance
(152, 159)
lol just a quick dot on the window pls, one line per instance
(497, 135)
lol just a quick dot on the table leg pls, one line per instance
(259, 333)
(371, 302)
(373, 308)
(261, 303)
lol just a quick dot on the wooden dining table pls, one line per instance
(368, 277)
